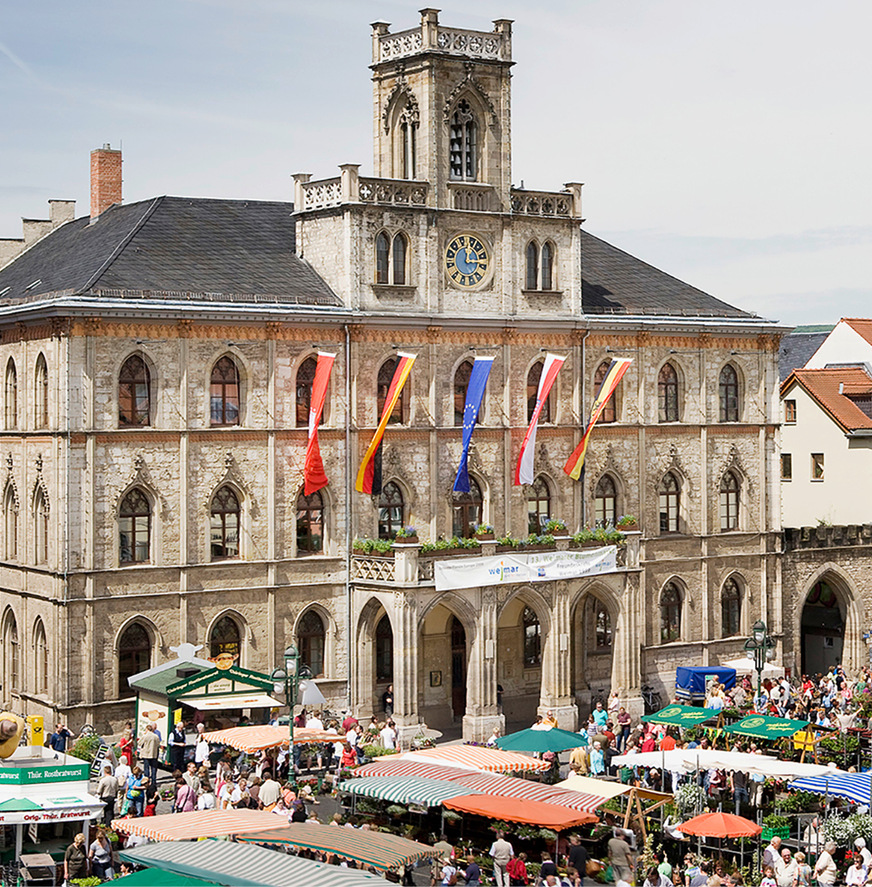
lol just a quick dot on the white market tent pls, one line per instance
(745, 666)
(688, 760)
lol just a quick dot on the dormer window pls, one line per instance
(463, 148)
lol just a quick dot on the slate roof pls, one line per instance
(845, 393)
(614, 282)
(796, 349)
(171, 247)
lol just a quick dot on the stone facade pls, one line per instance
(554, 645)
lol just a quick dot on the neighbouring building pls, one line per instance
(159, 358)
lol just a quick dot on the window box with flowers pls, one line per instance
(406, 536)
(484, 532)
(377, 547)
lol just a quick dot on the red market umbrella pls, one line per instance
(720, 825)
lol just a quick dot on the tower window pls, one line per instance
(392, 259)
(547, 266)
(463, 147)
(532, 266)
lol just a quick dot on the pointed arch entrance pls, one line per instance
(594, 623)
(822, 627)
(446, 636)
(458, 668)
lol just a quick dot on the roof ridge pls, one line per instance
(121, 245)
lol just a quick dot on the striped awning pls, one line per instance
(497, 807)
(197, 824)
(476, 757)
(406, 789)
(378, 849)
(856, 787)
(255, 739)
(488, 783)
(245, 865)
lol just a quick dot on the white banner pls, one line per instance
(511, 567)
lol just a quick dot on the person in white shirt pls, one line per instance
(388, 736)
(314, 723)
(122, 771)
(857, 873)
(860, 844)
(206, 798)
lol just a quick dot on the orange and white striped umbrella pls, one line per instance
(255, 739)
(198, 824)
(475, 757)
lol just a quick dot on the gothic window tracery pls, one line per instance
(225, 513)
(538, 506)
(392, 259)
(728, 395)
(605, 501)
(225, 637)
(400, 412)
(610, 410)
(310, 524)
(669, 501)
(311, 637)
(670, 614)
(467, 510)
(11, 395)
(40, 393)
(547, 265)
(532, 257)
(224, 393)
(134, 393)
(305, 381)
(134, 528)
(10, 517)
(533, 377)
(461, 382)
(134, 655)
(728, 500)
(390, 511)
(667, 394)
(731, 608)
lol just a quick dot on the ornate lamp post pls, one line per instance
(759, 648)
(285, 680)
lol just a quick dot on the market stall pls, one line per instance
(688, 760)
(692, 682)
(258, 738)
(500, 807)
(681, 716)
(856, 787)
(245, 865)
(406, 789)
(377, 849)
(196, 824)
(537, 740)
(474, 757)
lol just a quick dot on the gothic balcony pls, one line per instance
(408, 566)
(548, 204)
(349, 187)
(430, 36)
(825, 536)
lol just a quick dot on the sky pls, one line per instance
(728, 144)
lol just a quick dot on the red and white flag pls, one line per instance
(524, 469)
(313, 471)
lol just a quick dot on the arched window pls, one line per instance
(533, 378)
(466, 510)
(382, 258)
(400, 412)
(134, 393)
(384, 650)
(134, 655)
(729, 502)
(667, 394)
(463, 143)
(669, 500)
(548, 266)
(602, 627)
(41, 527)
(11, 395)
(532, 639)
(224, 393)
(40, 658)
(610, 410)
(461, 383)
(310, 524)
(731, 608)
(11, 656)
(225, 637)
(538, 506)
(10, 520)
(728, 395)
(605, 502)
(670, 614)
(532, 276)
(224, 524)
(134, 528)
(390, 511)
(408, 136)
(40, 393)
(310, 642)
(305, 381)
(398, 258)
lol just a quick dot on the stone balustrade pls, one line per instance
(349, 187)
(495, 44)
(548, 204)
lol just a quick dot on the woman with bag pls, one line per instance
(186, 797)
(135, 794)
(100, 857)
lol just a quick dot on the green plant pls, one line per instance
(85, 747)
(368, 546)
(377, 751)
(775, 820)
(626, 520)
(555, 526)
(483, 530)
(534, 539)
(841, 749)
(508, 541)
(395, 811)
(800, 802)
(689, 798)
(451, 816)
(449, 544)
(91, 881)
(407, 533)
(844, 830)
(583, 535)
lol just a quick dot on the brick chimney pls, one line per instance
(105, 179)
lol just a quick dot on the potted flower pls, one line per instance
(556, 527)
(484, 531)
(381, 547)
(407, 536)
(627, 522)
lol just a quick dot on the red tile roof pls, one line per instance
(861, 325)
(831, 388)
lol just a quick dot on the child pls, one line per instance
(768, 877)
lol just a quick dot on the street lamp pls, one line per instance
(759, 648)
(287, 680)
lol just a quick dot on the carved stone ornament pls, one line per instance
(141, 477)
(411, 113)
(233, 477)
(733, 462)
(660, 464)
(10, 482)
(471, 85)
(40, 487)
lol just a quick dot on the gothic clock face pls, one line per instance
(467, 260)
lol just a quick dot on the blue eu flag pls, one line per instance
(474, 392)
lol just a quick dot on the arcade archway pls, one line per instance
(822, 628)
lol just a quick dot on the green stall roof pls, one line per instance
(766, 727)
(681, 715)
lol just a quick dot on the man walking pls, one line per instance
(149, 749)
(107, 791)
(621, 857)
(501, 852)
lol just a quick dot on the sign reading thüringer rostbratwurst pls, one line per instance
(540, 566)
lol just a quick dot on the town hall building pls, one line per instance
(159, 360)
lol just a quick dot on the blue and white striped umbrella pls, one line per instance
(856, 787)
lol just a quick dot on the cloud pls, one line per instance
(24, 68)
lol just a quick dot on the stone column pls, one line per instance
(556, 690)
(405, 627)
(626, 656)
(482, 714)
